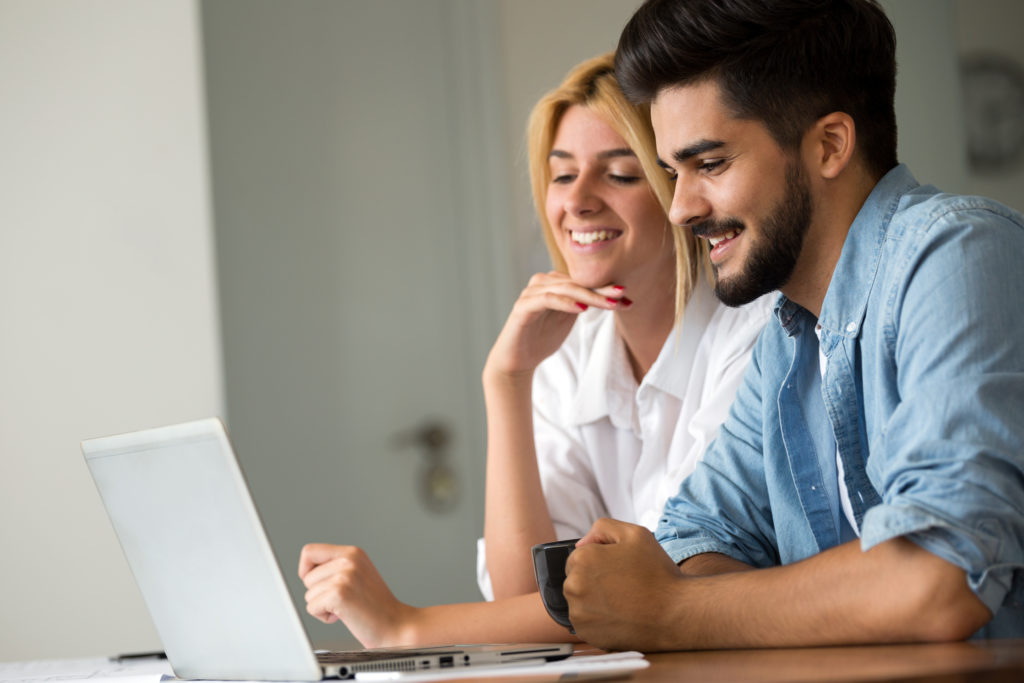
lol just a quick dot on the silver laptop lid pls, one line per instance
(181, 509)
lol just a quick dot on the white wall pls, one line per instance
(108, 316)
(993, 26)
(932, 141)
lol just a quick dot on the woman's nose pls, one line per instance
(689, 206)
(583, 197)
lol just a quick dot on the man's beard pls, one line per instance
(773, 257)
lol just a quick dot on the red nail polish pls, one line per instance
(618, 288)
(582, 306)
(611, 300)
(626, 302)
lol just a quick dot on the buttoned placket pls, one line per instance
(842, 404)
(807, 449)
(643, 433)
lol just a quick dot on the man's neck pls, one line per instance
(837, 204)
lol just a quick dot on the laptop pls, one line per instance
(190, 531)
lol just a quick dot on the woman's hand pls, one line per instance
(516, 513)
(541, 319)
(342, 583)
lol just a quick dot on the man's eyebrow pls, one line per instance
(685, 154)
(606, 154)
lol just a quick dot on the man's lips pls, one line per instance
(719, 235)
(725, 236)
(718, 232)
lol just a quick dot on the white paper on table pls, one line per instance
(575, 668)
(95, 669)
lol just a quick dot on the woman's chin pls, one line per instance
(591, 279)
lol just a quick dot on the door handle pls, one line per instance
(438, 485)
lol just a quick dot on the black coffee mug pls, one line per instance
(549, 568)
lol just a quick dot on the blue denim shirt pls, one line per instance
(923, 329)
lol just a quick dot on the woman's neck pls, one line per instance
(645, 326)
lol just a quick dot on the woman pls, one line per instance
(594, 407)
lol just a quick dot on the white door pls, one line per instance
(356, 291)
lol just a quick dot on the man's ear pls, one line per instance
(830, 144)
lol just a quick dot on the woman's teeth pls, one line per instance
(591, 237)
(721, 238)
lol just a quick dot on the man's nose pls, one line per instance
(689, 205)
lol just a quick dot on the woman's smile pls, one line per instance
(595, 238)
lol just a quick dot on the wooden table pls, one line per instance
(992, 661)
(997, 661)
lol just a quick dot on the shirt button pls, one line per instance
(851, 327)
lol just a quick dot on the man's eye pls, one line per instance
(711, 164)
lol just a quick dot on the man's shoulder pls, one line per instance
(926, 212)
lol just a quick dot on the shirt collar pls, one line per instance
(607, 387)
(606, 376)
(672, 369)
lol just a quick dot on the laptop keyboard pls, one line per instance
(356, 656)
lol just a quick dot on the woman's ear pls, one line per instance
(830, 144)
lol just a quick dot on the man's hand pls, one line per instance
(621, 587)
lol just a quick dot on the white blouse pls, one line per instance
(607, 447)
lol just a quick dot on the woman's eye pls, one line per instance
(563, 179)
(625, 179)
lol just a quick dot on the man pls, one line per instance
(868, 485)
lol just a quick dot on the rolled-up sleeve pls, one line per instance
(723, 507)
(950, 465)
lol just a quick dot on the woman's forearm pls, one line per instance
(516, 514)
(521, 619)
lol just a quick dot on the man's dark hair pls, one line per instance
(785, 63)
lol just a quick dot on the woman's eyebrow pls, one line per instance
(606, 154)
(612, 153)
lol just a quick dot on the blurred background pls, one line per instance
(311, 218)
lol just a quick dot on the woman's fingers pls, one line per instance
(557, 291)
(542, 318)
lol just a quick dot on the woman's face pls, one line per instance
(607, 223)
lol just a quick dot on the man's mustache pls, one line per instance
(711, 227)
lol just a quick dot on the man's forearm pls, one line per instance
(626, 594)
(895, 592)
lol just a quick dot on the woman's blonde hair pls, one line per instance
(592, 85)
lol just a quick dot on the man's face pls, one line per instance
(736, 188)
